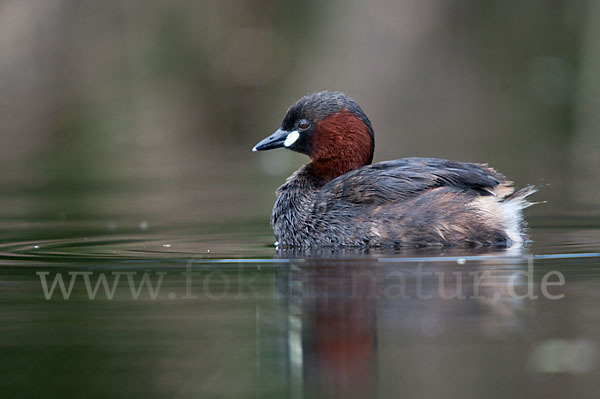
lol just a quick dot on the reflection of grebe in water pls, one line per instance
(342, 309)
(338, 330)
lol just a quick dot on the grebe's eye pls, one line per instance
(303, 124)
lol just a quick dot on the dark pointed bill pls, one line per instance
(281, 138)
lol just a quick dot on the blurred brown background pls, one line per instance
(149, 108)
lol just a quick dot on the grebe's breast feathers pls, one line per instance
(402, 179)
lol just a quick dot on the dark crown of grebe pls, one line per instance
(330, 128)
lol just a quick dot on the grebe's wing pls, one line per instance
(402, 179)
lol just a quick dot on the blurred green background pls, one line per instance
(149, 108)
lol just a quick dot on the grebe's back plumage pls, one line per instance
(338, 199)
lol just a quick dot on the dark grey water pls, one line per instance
(213, 311)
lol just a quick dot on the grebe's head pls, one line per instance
(330, 128)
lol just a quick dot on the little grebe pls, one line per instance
(340, 200)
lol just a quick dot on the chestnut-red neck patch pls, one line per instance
(340, 143)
